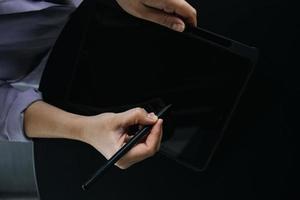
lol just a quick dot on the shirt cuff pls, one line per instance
(14, 121)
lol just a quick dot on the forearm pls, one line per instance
(106, 132)
(42, 120)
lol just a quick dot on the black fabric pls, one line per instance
(258, 158)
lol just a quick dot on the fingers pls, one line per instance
(143, 150)
(171, 9)
(170, 13)
(164, 19)
(137, 116)
(160, 136)
(154, 138)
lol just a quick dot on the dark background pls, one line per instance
(258, 158)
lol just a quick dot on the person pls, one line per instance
(28, 32)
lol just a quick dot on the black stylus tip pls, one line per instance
(84, 187)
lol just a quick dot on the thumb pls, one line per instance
(137, 116)
(164, 19)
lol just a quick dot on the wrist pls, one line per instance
(76, 127)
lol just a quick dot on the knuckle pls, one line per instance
(169, 8)
(171, 4)
(139, 111)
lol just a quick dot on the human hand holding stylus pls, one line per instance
(106, 132)
(134, 140)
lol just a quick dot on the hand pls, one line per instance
(170, 13)
(108, 132)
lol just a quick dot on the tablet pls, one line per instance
(129, 62)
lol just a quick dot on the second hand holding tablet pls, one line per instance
(134, 140)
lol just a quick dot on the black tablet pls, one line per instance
(122, 62)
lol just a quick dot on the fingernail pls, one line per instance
(152, 116)
(178, 27)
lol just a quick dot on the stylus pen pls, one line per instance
(134, 140)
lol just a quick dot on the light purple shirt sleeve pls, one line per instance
(28, 32)
(13, 103)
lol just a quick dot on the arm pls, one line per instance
(106, 132)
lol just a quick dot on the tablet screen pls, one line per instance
(129, 66)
